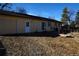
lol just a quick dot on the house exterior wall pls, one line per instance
(36, 25)
(10, 24)
(53, 25)
(13, 24)
(5, 26)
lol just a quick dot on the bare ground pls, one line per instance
(41, 46)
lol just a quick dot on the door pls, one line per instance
(27, 27)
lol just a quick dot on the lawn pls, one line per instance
(41, 46)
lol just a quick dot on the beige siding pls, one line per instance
(7, 26)
(53, 25)
(36, 25)
(11, 24)
(20, 25)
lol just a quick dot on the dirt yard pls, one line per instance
(41, 46)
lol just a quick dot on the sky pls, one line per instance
(52, 10)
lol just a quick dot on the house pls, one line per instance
(13, 22)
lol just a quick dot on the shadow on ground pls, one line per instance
(35, 34)
(2, 49)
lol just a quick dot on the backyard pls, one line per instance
(41, 46)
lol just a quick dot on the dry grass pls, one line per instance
(36, 46)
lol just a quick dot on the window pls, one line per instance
(27, 24)
(43, 25)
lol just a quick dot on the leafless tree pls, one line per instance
(5, 6)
